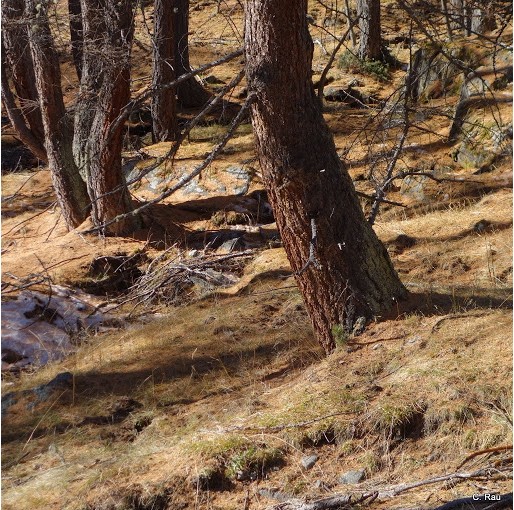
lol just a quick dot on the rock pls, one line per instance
(308, 461)
(243, 177)
(413, 187)
(36, 327)
(430, 75)
(231, 245)
(352, 477)
(481, 226)
(348, 95)
(213, 80)
(39, 394)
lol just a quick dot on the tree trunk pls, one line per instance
(106, 183)
(15, 46)
(164, 116)
(18, 122)
(190, 93)
(93, 31)
(343, 270)
(76, 36)
(68, 185)
(369, 25)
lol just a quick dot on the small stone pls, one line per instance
(352, 477)
(481, 226)
(213, 80)
(236, 244)
(309, 461)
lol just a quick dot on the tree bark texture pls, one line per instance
(69, 187)
(18, 122)
(75, 14)
(369, 25)
(93, 31)
(342, 269)
(17, 56)
(106, 184)
(190, 94)
(164, 115)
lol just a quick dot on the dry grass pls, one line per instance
(235, 382)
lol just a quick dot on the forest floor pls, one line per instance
(215, 393)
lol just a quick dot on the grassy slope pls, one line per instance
(235, 383)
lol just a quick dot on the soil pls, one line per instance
(213, 392)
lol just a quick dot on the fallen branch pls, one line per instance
(435, 327)
(278, 428)
(339, 500)
(482, 452)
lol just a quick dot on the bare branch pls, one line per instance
(184, 180)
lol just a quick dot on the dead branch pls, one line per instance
(312, 250)
(184, 180)
(167, 281)
(182, 136)
(381, 191)
(339, 500)
(373, 198)
(436, 326)
(323, 78)
(482, 452)
(139, 100)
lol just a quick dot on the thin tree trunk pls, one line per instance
(447, 18)
(106, 183)
(93, 31)
(190, 94)
(68, 185)
(16, 50)
(369, 24)
(24, 133)
(164, 115)
(76, 36)
(351, 31)
(343, 270)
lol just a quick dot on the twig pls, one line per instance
(380, 193)
(323, 78)
(136, 102)
(29, 219)
(312, 250)
(482, 452)
(183, 135)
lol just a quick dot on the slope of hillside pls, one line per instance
(215, 394)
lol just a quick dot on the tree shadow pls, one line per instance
(457, 299)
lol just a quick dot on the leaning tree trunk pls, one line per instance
(190, 93)
(68, 185)
(15, 115)
(106, 183)
(16, 54)
(76, 36)
(343, 270)
(369, 25)
(164, 116)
